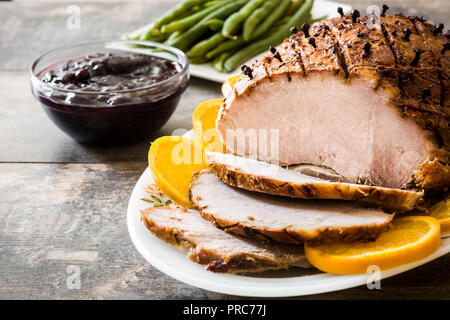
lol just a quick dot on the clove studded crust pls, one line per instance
(265, 217)
(267, 178)
(370, 101)
(218, 250)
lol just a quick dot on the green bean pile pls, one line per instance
(228, 32)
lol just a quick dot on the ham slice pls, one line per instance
(266, 217)
(218, 250)
(254, 175)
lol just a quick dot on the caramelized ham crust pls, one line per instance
(371, 103)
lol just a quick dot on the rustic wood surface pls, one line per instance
(64, 204)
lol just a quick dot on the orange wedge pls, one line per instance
(228, 85)
(172, 161)
(407, 240)
(441, 211)
(204, 124)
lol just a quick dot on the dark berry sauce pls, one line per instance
(105, 98)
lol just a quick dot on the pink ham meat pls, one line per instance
(267, 178)
(266, 217)
(219, 251)
(369, 103)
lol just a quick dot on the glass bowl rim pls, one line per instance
(184, 62)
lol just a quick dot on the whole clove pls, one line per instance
(340, 11)
(355, 15)
(312, 41)
(367, 47)
(277, 56)
(361, 35)
(247, 71)
(275, 53)
(406, 34)
(293, 30)
(426, 93)
(416, 59)
(384, 9)
(305, 29)
(438, 28)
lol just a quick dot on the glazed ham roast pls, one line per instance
(359, 107)
(369, 101)
(219, 251)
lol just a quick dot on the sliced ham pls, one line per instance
(219, 251)
(366, 101)
(254, 175)
(266, 217)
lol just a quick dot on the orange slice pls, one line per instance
(441, 211)
(204, 124)
(172, 161)
(407, 240)
(228, 85)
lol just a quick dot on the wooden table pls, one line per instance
(63, 204)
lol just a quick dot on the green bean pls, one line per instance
(255, 18)
(132, 36)
(172, 38)
(240, 42)
(148, 34)
(219, 60)
(199, 29)
(198, 60)
(226, 46)
(176, 12)
(261, 31)
(281, 22)
(259, 46)
(189, 21)
(295, 5)
(214, 24)
(202, 47)
(212, 3)
(271, 19)
(234, 22)
(310, 19)
(153, 31)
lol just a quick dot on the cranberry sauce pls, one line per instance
(107, 72)
(105, 98)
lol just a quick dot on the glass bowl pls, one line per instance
(110, 116)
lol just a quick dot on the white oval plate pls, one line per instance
(174, 263)
(206, 71)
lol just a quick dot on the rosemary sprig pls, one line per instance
(157, 199)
